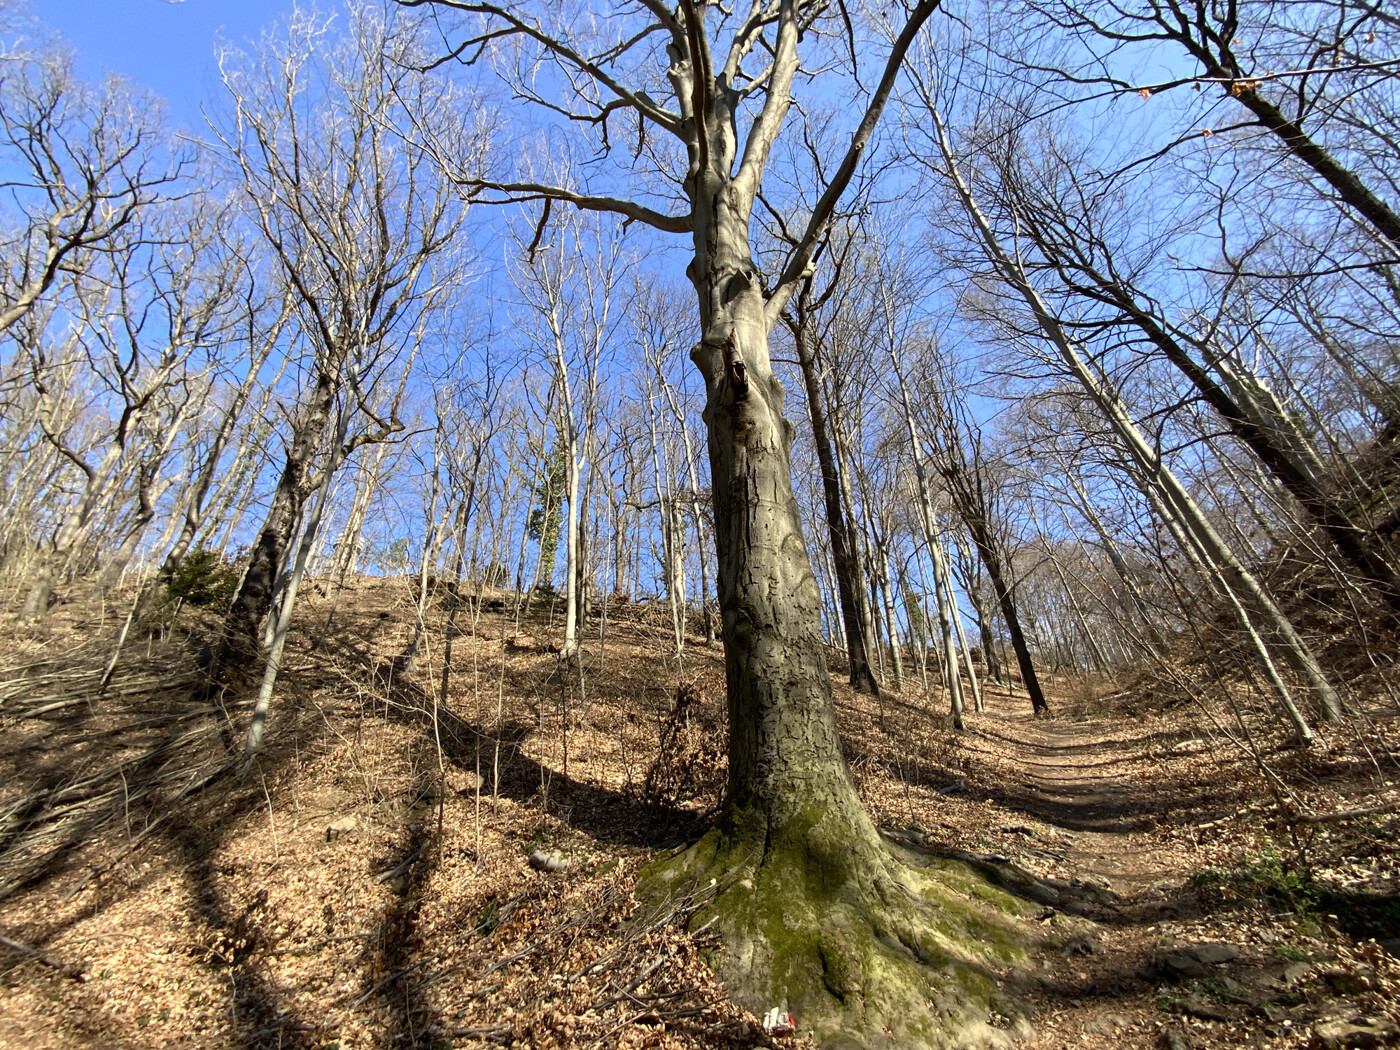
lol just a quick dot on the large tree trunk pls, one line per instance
(785, 761)
(282, 623)
(815, 912)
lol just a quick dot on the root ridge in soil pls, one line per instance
(867, 948)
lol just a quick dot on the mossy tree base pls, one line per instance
(865, 946)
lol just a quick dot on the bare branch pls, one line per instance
(821, 214)
(519, 192)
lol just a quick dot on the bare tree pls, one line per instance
(147, 327)
(1071, 230)
(716, 85)
(329, 134)
(569, 289)
(1295, 68)
(82, 165)
(802, 320)
(1160, 484)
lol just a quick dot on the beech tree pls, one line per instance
(143, 331)
(957, 446)
(802, 320)
(815, 911)
(1072, 233)
(1292, 69)
(568, 288)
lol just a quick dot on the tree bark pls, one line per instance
(986, 546)
(253, 600)
(946, 576)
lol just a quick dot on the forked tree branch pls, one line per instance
(825, 207)
(638, 100)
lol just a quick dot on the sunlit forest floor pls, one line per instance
(379, 878)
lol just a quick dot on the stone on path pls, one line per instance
(551, 861)
(340, 827)
(1193, 961)
(1084, 944)
(1344, 1035)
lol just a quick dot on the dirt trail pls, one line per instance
(1131, 805)
(1093, 781)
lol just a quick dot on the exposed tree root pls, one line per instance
(866, 946)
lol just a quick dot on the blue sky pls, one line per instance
(167, 47)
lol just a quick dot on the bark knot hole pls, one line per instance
(735, 286)
(735, 371)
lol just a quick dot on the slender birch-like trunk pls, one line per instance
(941, 567)
(1218, 556)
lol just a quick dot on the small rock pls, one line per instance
(1108, 1024)
(1092, 888)
(911, 836)
(1214, 954)
(1176, 965)
(1347, 982)
(1336, 1035)
(1295, 972)
(1171, 1039)
(1235, 992)
(340, 827)
(1016, 829)
(551, 861)
(1203, 1009)
(1084, 944)
(1271, 1012)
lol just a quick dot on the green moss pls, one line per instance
(866, 952)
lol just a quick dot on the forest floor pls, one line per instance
(379, 877)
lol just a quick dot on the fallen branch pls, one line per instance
(75, 972)
(1344, 814)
